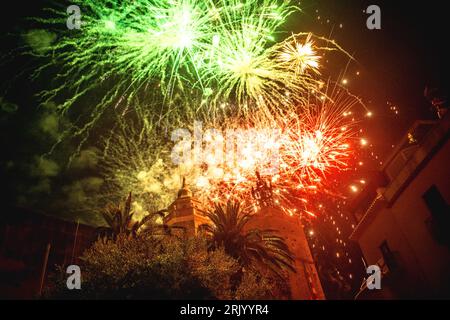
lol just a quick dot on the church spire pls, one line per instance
(185, 212)
(262, 193)
(184, 192)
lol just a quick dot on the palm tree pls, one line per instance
(120, 220)
(249, 247)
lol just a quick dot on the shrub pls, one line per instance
(162, 267)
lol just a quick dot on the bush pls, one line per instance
(159, 267)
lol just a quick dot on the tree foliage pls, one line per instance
(159, 267)
(120, 220)
(251, 247)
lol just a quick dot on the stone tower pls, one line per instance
(305, 283)
(186, 212)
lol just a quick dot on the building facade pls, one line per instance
(186, 212)
(304, 283)
(32, 245)
(404, 218)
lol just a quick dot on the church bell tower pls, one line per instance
(186, 212)
(305, 283)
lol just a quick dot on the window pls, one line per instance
(439, 222)
(436, 203)
(388, 256)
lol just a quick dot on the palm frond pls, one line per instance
(249, 247)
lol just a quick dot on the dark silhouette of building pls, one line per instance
(24, 238)
(404, 218)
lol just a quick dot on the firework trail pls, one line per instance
(167, 63)
(222, 51)
(306, 146)
(310, 145)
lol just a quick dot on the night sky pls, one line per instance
(395, 65)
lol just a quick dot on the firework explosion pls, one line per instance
(223, 51)
(136, 158)
(215, 61)
(295, 153)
